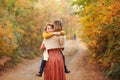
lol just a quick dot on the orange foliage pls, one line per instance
(7, 41)
(100, 30)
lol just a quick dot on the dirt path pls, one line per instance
(76, 61)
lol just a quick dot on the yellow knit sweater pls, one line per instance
(47, 35)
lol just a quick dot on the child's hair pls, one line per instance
(57, 25)
(49, 25)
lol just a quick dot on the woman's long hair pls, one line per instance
(57, 25)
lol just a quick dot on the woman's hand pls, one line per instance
(42, 47)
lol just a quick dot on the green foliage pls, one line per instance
(114, 71)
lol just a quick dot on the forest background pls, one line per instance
(96, 22)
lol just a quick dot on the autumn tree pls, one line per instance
(22, 23)
(101, 25)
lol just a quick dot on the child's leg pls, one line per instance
(42, 66)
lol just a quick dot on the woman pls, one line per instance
(54, 68)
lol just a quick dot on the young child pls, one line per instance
(49, 32)
(48, 29)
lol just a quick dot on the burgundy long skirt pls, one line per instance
(54, 69)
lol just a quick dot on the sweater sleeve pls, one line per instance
(63, 33)
(47, 35)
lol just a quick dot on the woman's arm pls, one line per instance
(42, 47)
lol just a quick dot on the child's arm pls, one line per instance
(62, 33)
(48, 35)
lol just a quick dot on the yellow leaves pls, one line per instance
(114, 8)
(83, 19)
(94, 55)
(101, 1)
(20, 31)
(23, 3)
(6, 32)
(106, 62)
(100, 60)
(34, 35)
(102, 13)
(6, 1)
(92, 43)
(7, 40)
(10, 35)
(87, 9)
(101, 31)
